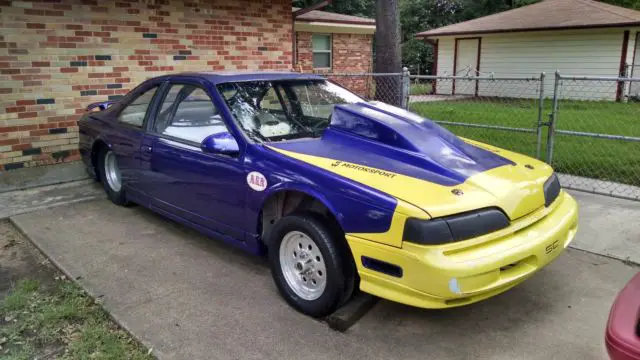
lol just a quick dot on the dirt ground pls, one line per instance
(43, 315)
(19, 259)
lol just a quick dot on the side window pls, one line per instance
(170, 98)
(188, 113)
(133, 114)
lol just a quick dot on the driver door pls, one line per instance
(204, 188)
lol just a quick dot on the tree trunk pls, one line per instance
(387, 52)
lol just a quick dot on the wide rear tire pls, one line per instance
(111, 178)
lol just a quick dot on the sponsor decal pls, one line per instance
(339, 163)
(256, 181)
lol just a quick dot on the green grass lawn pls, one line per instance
(62, 322)
(614, 160)
(423, 88)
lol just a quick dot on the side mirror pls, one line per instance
(220, 143)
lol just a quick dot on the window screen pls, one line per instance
(321, 50)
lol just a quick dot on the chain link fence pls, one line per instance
(389, 87)
(595, 139)
(504, 111)
(588, 128)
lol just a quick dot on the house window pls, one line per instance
(321, 51)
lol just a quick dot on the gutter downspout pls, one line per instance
(297, 13)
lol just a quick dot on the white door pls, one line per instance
(634, 88)
(466, 65)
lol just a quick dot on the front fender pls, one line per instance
(307, 189)
(357, 207)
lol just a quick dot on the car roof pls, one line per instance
(224, 77)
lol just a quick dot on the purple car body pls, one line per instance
(208, 191)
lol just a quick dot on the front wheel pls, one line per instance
(307, 266)
(111, 178)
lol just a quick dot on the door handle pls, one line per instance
(146, 149)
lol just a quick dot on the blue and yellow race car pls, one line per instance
(339, 192)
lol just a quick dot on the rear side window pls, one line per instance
(134, 113)
(187, 113)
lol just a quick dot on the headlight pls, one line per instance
(454, 228)
(551, 189)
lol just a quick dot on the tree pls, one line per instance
(417, 56)
(387, 49)
(421, 15)
(363, 8)
(631, 4)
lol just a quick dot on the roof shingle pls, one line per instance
(325, 16)
(545, 15)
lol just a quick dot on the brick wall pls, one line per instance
(55, 58)
(350, 53)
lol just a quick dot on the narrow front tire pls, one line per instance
(307, 264)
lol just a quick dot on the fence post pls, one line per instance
(540, 115)
(554, 119)
(406, 84)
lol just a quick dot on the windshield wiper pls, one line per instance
(298, 135)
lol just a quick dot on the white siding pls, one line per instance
(592, 52)
(445, 64)
(466, 65)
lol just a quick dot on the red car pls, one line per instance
(623, 328)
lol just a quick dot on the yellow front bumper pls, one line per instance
(472, 270)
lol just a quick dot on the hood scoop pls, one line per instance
(410, 138)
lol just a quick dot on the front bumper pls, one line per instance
(472, 270)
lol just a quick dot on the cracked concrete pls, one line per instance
(191, 297)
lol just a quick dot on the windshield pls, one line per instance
(284, 110)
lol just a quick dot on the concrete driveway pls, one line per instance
(191, 297)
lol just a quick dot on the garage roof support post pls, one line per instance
(554, 119)
(623, 61)
(540, 116)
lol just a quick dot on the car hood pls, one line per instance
(415, 160)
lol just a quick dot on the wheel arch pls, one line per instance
(96, 147)
(288, 199)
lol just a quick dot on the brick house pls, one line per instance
(57, 57)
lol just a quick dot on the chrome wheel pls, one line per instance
(112, 172)
(302, 265)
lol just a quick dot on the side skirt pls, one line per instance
(248, 246)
